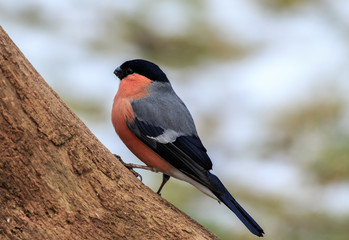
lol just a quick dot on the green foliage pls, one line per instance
(90, 109)
(197, 45)
(310, 118)
(32, 16)
(281, 5)
(198, 41)
(310, 132)
(333, 161)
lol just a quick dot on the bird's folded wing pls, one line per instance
(186, 153)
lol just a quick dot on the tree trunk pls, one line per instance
(57, 181)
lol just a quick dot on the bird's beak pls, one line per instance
(118, 72)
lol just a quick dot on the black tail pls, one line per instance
(234, 206)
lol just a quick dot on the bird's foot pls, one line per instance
(131, 166)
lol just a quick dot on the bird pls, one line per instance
(155, 124)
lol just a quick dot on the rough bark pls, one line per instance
(57, 181)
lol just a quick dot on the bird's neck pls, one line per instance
(133, 87)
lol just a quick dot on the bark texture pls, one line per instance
(57, 181)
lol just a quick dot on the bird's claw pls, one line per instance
(136, 174)
(133, 171)
(130, 167)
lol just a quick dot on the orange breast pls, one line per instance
(134, 87)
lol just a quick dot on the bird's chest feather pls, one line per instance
(121, 112)
(131, 88)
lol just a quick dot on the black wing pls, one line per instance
(186, 153)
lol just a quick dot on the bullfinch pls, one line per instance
(157, 127)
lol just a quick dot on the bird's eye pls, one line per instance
(129, 71)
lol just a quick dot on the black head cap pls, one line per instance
(141, 67)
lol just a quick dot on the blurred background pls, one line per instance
(266, 82)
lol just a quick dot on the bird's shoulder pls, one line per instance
(163, 108)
